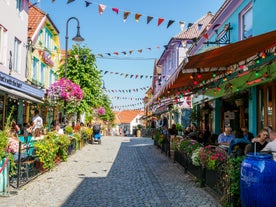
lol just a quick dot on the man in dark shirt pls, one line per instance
(247, 135)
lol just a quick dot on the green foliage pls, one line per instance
(195, 157)
(86, 132)
(46, 151)
(77, 137)
(178, 127)
(211, 157)
(52, 145)
(63, 142)
(3, 144)
(188, 146)
(195, 115)
(231, 178)
(83, 71)
(68, 129)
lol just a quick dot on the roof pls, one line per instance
(190, 33)
(126, 116)
(35, 19)
(196, 29)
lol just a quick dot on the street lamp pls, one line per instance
(103, 85)
(77, 38)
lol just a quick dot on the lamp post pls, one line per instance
(77, 38)
(103, 85)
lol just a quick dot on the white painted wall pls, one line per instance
(16, 24)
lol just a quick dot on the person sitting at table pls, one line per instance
(271, 146)
(59, 130)
(13, 145)
(237, 145)
(258, 143)
(225, 138)
(248, 135)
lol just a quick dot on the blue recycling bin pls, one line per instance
(258, 181)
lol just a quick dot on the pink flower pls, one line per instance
(66, 90)
(101, 110)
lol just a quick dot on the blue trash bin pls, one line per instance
(258, 181)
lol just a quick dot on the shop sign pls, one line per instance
(9, 81)
(46, 56)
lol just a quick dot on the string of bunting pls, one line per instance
(125, 98)
(125, 53)
(127, 90)
(126, 14)
(126, 75)
(128, 105)
(135, 109)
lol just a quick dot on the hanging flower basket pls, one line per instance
(64, 90)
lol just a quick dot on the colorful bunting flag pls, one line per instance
(70, 1)
(160, 20)
(126, 14)
(101, 8)
(149, 18)
(137, 17)
(87, 3)
(115, 10)
(170, 23)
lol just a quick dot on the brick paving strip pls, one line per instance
(120, 172)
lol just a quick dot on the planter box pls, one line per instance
(181, 159)
(195, 170)
(214, 180)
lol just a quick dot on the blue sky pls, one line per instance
(108, 33)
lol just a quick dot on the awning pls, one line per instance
(15, 93)
(233, 53)
(216, 60)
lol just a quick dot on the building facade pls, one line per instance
(14, 91)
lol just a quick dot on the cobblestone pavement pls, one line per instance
(121, 172)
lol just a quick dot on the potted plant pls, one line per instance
(68, 130)
(86, 133)
(211, 157)
(179, 128)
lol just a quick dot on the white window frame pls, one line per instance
(42, 73)
(244, 14)
(16, 56)
(19, 6)
(35, 68)
(3, 45)
(48, 39)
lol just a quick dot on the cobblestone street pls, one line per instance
(120, 172)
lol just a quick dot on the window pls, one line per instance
(19, 5)
(16, 55)
(51, 77)
(42, 73)
(246, 22)
(3, 45)
(48, 40)
(35, 69)
(40, 37)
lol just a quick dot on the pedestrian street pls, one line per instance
(121, 171)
